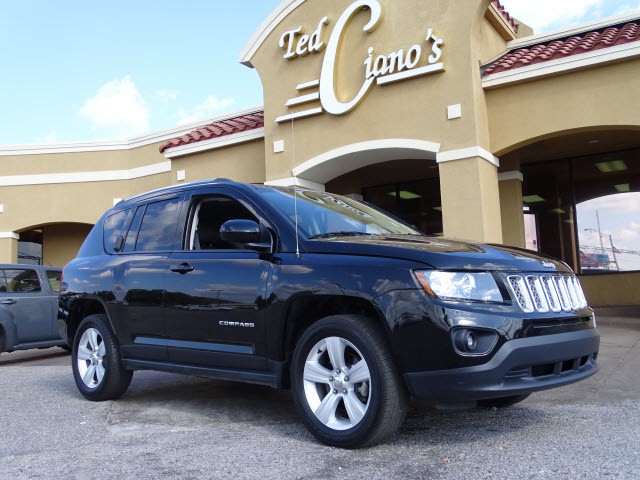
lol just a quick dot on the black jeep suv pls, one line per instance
(349, 307)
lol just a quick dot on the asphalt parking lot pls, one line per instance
(170, 426)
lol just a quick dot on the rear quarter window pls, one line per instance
(113, 231)
(54, 280)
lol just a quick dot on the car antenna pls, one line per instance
(295, 189)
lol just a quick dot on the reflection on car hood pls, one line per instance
(439, 252)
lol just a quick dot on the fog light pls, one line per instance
(474, 342)
(471, 341)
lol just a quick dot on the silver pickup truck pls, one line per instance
(29, 307)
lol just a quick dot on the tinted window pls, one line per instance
(158, 227)
(3, 282)
(132, 236)
(22, 281)
(113, 226)
(54, 280)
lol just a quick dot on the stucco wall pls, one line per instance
(606, 290)
(411, 109)
(62, 242)
(552, 106)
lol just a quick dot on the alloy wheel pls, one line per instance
(337, 383)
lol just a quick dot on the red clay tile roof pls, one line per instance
(229, 126)
(562, 48)
(510, 20)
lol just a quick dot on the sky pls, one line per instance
(90, 71)
(619, 224)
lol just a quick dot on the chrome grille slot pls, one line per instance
(564, 294)
(572, 292)
(552, 294)
(521, 293)
(537, 294)
(581, 298)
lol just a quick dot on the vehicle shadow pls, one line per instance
(174, 401)
(437, 427)
(28, 357)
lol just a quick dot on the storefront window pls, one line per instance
(610, 233)
(586, 211)
(30, 247)
(417, 203)
(548, 208)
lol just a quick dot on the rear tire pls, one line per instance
(96, 363)
(345, 385)
(502, 402)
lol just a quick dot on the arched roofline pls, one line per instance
(334, 163)
(561, 133)
(281, 12)
(48, 224)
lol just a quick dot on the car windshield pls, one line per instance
(324, 214)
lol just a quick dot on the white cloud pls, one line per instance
(617, 204)
(167, 95)
(117, 109)
(209, 108)
(545, 15)
(627, 234)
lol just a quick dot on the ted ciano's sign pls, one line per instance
(379, 69)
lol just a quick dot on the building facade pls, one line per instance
(457, 119)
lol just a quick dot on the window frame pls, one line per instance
(193, 200)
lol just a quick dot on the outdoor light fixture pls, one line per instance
(623, 187)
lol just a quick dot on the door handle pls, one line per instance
(9, 301)
(182, 269)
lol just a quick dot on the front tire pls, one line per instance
(95, 358)
(345, 385)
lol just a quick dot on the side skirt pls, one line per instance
(270, 379)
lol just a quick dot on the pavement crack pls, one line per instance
(614, 369)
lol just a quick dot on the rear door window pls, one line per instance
(22, 281)
(3, 282)
(158, 227)
(132, 236)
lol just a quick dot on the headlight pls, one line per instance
(479, 287)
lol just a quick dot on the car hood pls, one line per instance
(439, 253)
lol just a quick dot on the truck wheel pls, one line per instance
(345, 385)
(502, 402)
(95, 360)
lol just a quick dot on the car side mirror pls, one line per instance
(240, 231)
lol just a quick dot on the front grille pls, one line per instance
(543, 293)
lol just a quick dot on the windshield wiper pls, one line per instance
(339, 234)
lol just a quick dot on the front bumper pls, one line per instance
(520, 367)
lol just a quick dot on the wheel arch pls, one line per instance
(306, 310)
(7, 330)
(81, 309)
(3, 338)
